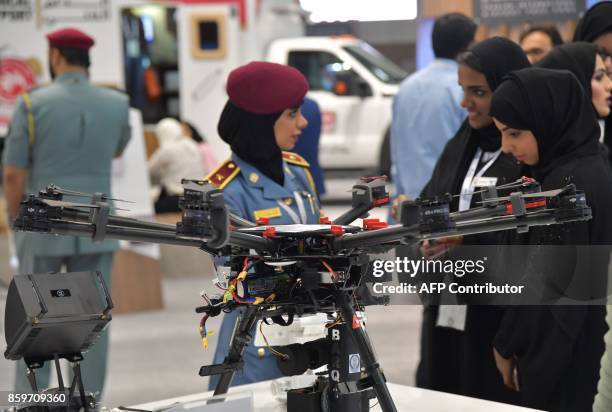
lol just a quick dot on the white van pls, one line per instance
(354, 86)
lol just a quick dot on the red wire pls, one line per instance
(235, 294)
(329, 268)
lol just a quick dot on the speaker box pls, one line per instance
(54, 314)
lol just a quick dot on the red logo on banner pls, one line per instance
(16, 78)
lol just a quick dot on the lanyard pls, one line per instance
(302, 218)
(301, 208)
(467, 189)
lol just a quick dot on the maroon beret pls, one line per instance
(70, 37)
(266, 88)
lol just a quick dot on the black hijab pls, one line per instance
(554, 107)
(251, 137)
(595, 22)
(494, 58)
(578, 58)
(498, 56)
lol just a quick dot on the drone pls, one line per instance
(276, 273)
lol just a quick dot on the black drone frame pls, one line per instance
(207, 224)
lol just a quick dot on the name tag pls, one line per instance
(452, 316)
(267, 213)
(483, 181)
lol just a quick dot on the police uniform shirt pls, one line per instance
(78, 129)
(252, 195)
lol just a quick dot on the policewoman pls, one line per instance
(261, 122)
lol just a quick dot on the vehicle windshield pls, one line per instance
(380, 66)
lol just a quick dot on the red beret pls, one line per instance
(266, 88)
(70, 37)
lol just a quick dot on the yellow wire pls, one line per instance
(334, 323)
(270, 348)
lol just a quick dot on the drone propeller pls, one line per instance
(67, 192)
(61, 203)
(547, 193)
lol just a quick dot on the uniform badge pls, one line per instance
(253, 177)
(267, 213)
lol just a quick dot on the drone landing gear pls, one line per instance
(375, 379)
(328, 394)
(233, 360)
(68, 400)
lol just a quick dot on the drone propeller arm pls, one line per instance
(391, 235)
(78, 223)
(353, 214)
(75, 214)
(239, 221)
(397, 234)
(142, 234)
(482, 212)
(62, 227)
(367, 195)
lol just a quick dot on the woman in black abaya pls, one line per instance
(587, 64)
(547, 122)
(456, 340)
(596, 27)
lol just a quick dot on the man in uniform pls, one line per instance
(67, 134)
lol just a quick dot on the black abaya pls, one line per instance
(462, 361)
(559, 347)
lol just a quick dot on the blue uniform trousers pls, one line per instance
(256, 368)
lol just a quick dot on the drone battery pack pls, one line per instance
(309, 400)
(303, 400)
(54, 314)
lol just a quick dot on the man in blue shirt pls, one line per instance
(426, 109)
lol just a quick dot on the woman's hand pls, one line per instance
(399, 199)
(507, 369)
(433, 248)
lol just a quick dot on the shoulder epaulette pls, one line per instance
(222, 175)
(295, 159)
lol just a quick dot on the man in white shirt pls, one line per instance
(176, 158)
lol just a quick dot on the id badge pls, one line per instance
(483, 181)
(452, 316)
